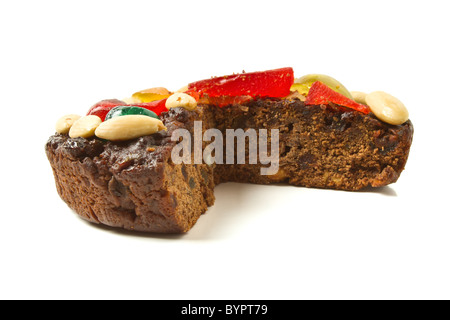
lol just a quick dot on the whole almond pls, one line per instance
(180, 99)
(64, 124)
(359, 96)
(128, 127)
(387, 108)
(85, 126)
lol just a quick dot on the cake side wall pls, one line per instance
(135, 199)
(134, 184)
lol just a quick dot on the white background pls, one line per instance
(256, 242)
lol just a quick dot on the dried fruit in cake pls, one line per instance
(322, 94)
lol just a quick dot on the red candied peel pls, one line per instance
(322, 94)
(157, 107)
(102, 108)
(219, 91)
(238, 88)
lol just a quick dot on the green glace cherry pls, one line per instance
(129, 110)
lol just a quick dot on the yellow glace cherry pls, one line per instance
(152, 94)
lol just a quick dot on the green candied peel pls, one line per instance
(130, 110)
(303, 84)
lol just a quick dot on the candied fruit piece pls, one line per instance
(129, 110)
(102, 108)
(322, 94)
(152, 94)
(272, 83)
(157, 107)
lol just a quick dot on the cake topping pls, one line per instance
(128, 127)
(359, 96)
(387, 108)
(85, 127)
(183, 100)
(152, 94)
(64, 124)
(272, 83)
(322, 94)
(157, 107)
(102, 108)
(313, 89)
(129, 110)
(303, 84)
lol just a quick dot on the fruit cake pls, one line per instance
(117, 165)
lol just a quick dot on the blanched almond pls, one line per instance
(387, 108)
(64, 124)
(359, 96)
(180, 99)
(85, 126)
(128, 127)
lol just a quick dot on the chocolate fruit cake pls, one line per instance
(117, 166)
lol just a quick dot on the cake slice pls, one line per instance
(135, 184)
